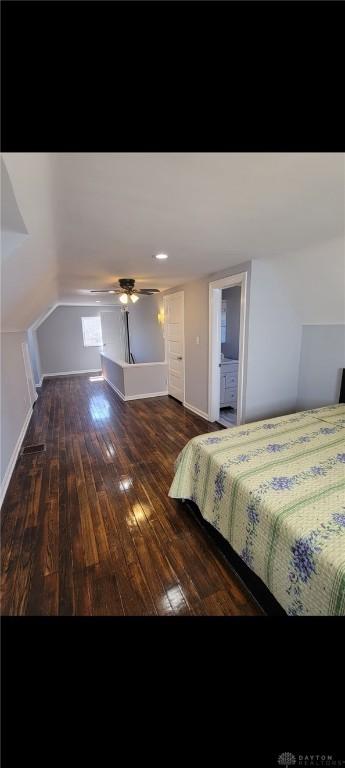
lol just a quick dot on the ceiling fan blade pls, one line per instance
(147, 290)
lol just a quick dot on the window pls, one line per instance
(92, 331)
(223, 323)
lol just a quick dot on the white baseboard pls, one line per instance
(125, 398)
(148, 394)
(196, 411)
(13, 459)
(116, 390)
(69, 373)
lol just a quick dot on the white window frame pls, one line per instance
(93, 317)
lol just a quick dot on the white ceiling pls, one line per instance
(92, 218)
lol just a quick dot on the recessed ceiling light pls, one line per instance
(98, 301)
(160, 256)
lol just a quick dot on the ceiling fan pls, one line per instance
(127, 290)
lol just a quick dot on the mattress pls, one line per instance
(275, 490)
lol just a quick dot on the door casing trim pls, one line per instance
(215, 297)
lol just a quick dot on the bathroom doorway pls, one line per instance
(230, 340)
(227, 340)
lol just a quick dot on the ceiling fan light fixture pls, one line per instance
(134, 297)
(126, 289)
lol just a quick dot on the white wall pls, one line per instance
(34, 356)
(60, 342)
(274, 340)
(146, 334)
(113, 372)
(60, 346)
(29, 272)
(196, 304)
(321, 365)
(13, 229)
(15, 404)
(285, 292)
(314, 278)
(288, 293)
(113, 332)
(133, 381)
(145, 379)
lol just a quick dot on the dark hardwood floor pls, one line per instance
(87, 527)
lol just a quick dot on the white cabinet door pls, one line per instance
(174, 341)
(222, 388)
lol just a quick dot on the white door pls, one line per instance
(174, 343)
(29, 375)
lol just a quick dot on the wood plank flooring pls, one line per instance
(87, 527)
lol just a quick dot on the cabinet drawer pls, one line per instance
(230, 395)
(231, 379)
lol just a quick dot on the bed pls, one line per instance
(275, 490)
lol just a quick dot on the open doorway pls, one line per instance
(230, 341)
(227, 338)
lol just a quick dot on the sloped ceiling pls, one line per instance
(92, 218)
(29, 271)
(13, 229)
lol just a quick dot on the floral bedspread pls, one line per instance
(275, 489)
